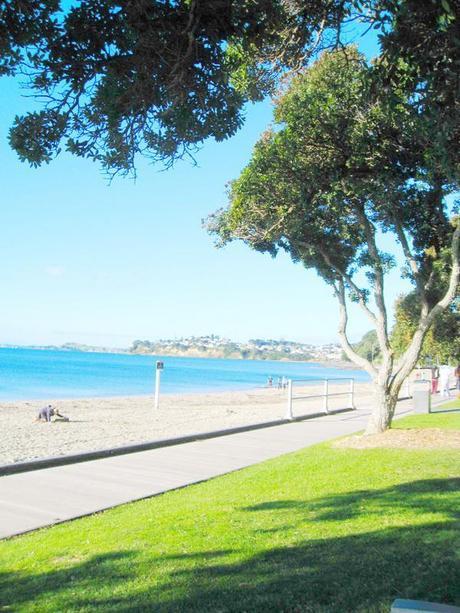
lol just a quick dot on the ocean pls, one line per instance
(32, 374)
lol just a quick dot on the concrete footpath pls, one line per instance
(47, 496)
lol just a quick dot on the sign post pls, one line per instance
(159, 368)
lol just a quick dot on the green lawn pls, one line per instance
(319, 530)
(453, 404)
(446, 420)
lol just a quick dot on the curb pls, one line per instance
(87, 456)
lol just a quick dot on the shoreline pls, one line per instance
(166, 394)
(102, 422)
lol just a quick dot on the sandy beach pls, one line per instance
(100, 423)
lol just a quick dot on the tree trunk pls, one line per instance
(383, 411)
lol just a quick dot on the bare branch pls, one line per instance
(339, 290)
(358, 291)
(379, 297)
(278, 223)
(412, 262)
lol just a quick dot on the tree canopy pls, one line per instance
(342, 165)
(116, 78)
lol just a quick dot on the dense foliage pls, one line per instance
(26, 26)
(116, 78)
(152, 77)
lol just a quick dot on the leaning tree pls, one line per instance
(346, 163)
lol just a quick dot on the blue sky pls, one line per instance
(85, 261)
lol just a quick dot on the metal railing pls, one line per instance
(326, 395)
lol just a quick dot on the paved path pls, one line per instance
(43, 497)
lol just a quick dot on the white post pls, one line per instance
(157, 388)
(159, 368)
(326, 392)
(352, 391)
(289, 400)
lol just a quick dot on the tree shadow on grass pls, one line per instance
(349, 573)
(421, 497)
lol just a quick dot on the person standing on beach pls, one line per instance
(270, 382)
(280, 383)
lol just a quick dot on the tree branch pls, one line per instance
(379, 297)
(339, 290)
(410, 356)
(352, 284)
(412, 262)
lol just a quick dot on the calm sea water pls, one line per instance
(36, 374)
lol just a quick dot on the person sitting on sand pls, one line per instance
(48, 412)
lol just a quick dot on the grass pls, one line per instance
(453, 404)
(321, 530)
(441, 419)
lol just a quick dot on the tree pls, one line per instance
(421, 52)
(442, 341)
(344, 164)
(25, 27)
(153, 77)
(118, 78)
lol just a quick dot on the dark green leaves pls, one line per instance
(36, 137)
(346, 162)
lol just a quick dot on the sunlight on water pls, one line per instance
(35, 374)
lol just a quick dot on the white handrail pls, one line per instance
(350, 393)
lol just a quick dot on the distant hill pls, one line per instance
(213, 346)
(66, 347)
(90, 348)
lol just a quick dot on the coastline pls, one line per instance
(31, 375)
(192, 354)
(166, 394)
(103, 422)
